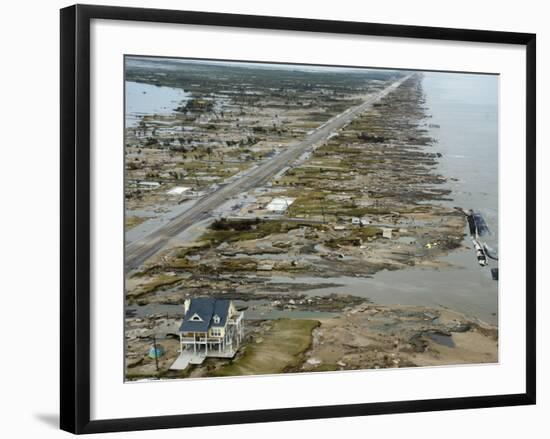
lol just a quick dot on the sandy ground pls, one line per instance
(373, 336)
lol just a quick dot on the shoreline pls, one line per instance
(407, 228)
(358, 338)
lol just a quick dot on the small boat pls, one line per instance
(480, 224)
(477, 225)
(480, 253)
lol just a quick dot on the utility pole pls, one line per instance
(156, 352)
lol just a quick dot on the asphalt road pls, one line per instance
(139, 251)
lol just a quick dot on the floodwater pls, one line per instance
(254, 310)
(466, 109)
(146, 99)
(445, 340)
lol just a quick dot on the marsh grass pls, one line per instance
(280, 349)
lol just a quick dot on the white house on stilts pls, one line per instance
(210, 328)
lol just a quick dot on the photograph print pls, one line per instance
(285, 218)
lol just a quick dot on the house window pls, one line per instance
(216, 318)
(196, 318)
(216, 332)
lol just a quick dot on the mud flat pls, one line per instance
(374, 336)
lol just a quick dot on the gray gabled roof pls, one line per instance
(206, 308)
(221, 309)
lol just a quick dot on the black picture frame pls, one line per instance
(75, 217)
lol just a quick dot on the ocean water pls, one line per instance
(146, 99)
(466, 108)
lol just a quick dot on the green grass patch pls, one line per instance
(356, 237)
(245, 230)
(280, 350)
(367, 232)
(180, 264)
(316, 203)
(133, 221)
(238, 264)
